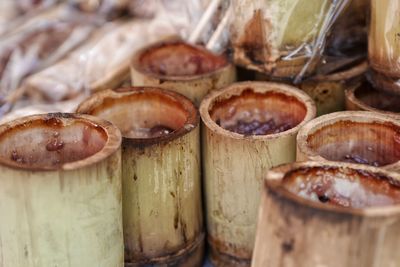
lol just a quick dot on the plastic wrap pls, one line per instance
(282, 38)
(38, 44)
(102, 62)
(349, 33)
(13, 12)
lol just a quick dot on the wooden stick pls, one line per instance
(204, 20)
(212, 43)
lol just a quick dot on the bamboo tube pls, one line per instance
(162, 211)
(384, 37)
(367, 98)
(265, 34)
(234, 163)
(328, 91)
(352, 136)
(60, 192)
(189, 70)
(328, 214)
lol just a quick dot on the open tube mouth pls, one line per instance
(377, 99)
(256, 109)
(353, 137)
(338, 187)
(56, 141)
(144, 115)
(177, 60)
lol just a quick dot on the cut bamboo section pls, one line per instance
(328, 91)
(234, 163)
(162, 210)
(352, 136)
(270, 36)
(367, 98)
(384, 37)
(60, 192)
(189, 70)
(328, 214)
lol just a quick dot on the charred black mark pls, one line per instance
(323, 198)
(288, 246)
(183, 230)
(176, 219)
(53, 121)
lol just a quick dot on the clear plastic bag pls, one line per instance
(39, 43)
(282, 38)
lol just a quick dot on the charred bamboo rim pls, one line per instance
(178, 54)
(124, 108)
(367, 98)
(367, 135)
(63, 141)
(274, 182)
(290, 96)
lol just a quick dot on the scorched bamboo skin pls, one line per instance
(352, 136)
(189, 70)
(60, 192)
(328, 214)
(236, 152)
(162, 210)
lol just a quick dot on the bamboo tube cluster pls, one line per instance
(352, 136)
(162, 210)
(234, 163)
(189, 70)
(60, 192)
(328, 214)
